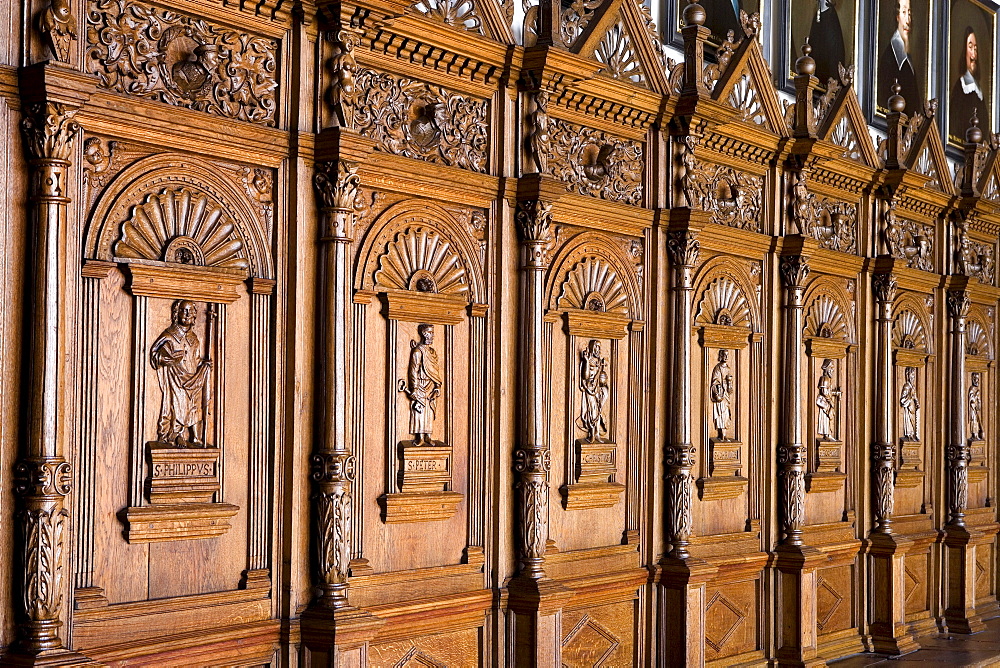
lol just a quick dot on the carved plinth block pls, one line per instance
(978, 470)
(182, 475)
(595, 462)
(911, 465)
(418, 506)
(424, 468)
(829, 456)
(726, 457)
(183, 521)
(718, 488)
(824, 482)
(583, 496)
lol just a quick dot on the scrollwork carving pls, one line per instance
(58, 27)
(909, 240)
(161, 55)
(595, 163)
(973, 259)
(422, 121)
(733, 198)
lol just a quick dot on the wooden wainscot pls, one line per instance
(826, 474)
(182, 475)
(594, 483)
(725, 478)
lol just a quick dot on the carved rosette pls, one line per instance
(532, 464)
(332, 474)
(49, 130)
(42, 485)
(534, 223)
(337, 187)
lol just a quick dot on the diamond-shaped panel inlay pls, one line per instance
(827, 602)
(910, 583)
(722, 619)
(588, 644)
(417, 659)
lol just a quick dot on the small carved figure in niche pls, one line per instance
(976, 408)
(194, 73)
(970, 262)
(183, 377)
(342, 88)
(910, 403)
(826, 401)
(59, 28)
(538, 136)
(594, 386)
(721, 392)
(689, 167)
(801, 204)
(425, 381)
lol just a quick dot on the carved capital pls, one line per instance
(532, 461)
(680, 456)
(958, 303)
(534, 224)
(332, 467)
(49, 477)
(338, 187)
(683, 246)
(49, 130)
(884, 288)
(794, 270)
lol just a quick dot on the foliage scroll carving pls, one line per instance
(595, 163)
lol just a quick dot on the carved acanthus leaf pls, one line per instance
(49, 129)
(594, 163)
(734, 198)
(183, 226)
(575, 18)
(593, 284)
(958, 303)
(422, 121)
(161, 55)
(683, 246)
(337, 185)
(884, 287)
(723, 303)
(909, 240)
(421, 259)
(794, 270)
(456, 13)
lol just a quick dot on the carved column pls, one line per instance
(536, 600)
(331, 620)
(887, 551)
(796, 562)
(960, 540)
(682, 595)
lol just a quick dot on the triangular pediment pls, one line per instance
(621, 35)
(479, 17)
(746, 86)
(844, 125)
(988, 181)
(924, 153)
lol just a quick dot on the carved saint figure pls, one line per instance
(801, 204)
(826, 401)
(721, 393)
(594, 386)
(976, 408)
(59, 27)
(183, 377)
(539, 137)
(424, 376)
(689, 166)
(910, 404)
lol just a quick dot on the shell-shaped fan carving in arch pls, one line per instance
(422, 259)
(976, 340)
(826, 319)
(593, 284)
(909, 332)
(184, 226)
(724, 304)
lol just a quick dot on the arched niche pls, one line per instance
(726, 398)
(913, 357)
(980, 384)
(594, 328)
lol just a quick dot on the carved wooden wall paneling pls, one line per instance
(455, 332)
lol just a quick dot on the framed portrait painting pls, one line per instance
(831, 26)
(903, 37)
(971, 52)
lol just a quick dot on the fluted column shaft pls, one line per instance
(332, 466)
(42, 476)
(794, 270)
(957, 451)
(532, 459)
(884, 448)
(684, 247)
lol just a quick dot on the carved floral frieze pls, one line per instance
(595, 163)
(733, 198)
(162, 55)
(419, 120)
(909, 240)
(831, 222)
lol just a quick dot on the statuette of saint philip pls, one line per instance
(721, 394)
(425, 380)
(594, 389)
(910, 403)
(183, 378)
(826, 402)
(976, 408)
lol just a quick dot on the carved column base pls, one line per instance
(537, 605)
(337, 637)
(56, 657)
(682, 599)
(796, 614)
(887, 603)
(960, 612)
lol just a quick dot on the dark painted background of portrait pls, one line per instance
(832, 37)
(723, 16)
(969, 14)
(912, 75)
